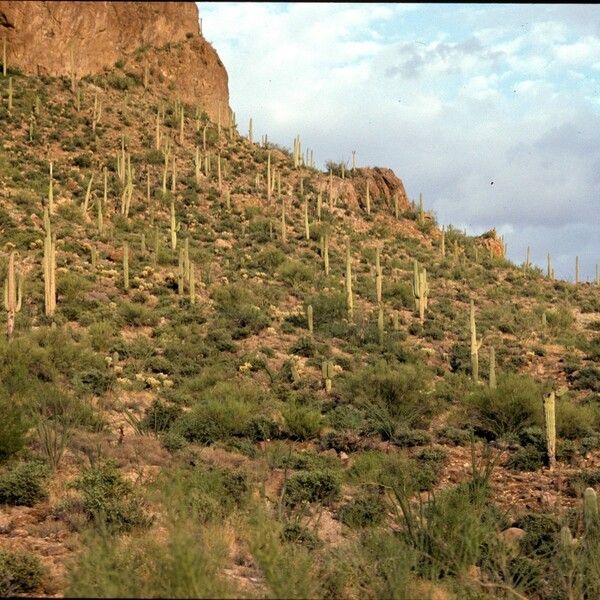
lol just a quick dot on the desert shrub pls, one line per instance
(261, 428)
(340, 441)
(238, 305)
(587, 378)
(224, 410)
(573, 420)
(365, 511)
(296, 273)
(303, 346)
(301, 422)
(392, 395)
(559, 319)
(20, 573)
(137, 315)
(109, 499)
(312, 486)
(292, 531)
(205, 492)
(327, 308)
(346, 417)
(512, 406)
(268, 258)
(172, 441)
(13, 426)
(23, 484)
(528, 458)
(185, 562)
(159, 416)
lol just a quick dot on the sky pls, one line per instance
(492, 111)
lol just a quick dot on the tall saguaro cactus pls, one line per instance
(126, 266)
(349, 297)
(492, 374)
(475, 344)
(550, 422)
(327, 372)
(50, 272)
(420, 290)
(13, 295)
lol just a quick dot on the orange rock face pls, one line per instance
(57, 38)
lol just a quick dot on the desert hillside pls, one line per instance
(225, 372)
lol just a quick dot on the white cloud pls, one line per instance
(450, 114)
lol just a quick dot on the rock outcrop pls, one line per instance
(164, 38)
(383, 185)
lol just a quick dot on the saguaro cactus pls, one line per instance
(475, 345)
(590, 510)
(380, 325)
(550, 422)
(443, 244)
(51, 191)
(368, 199)
(378, 277)
(327, 371)
(50, 272)
(306, 223)
(325, 251)
(125, 266)
(492, 374)
(13, 295)
(309, 318)
(175, 226)
(420, 290)
(349, 297)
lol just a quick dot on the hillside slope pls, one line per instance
(175, 408)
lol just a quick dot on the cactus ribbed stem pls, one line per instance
(174, 227)
(13, 295)
(325, 251)
(550, 422)
(50, 272)
(576, 270)
(126, 266)
(492, 376)
(306, 223)
(380, 325)
(309, 318)
(51, 191)
(349, 296)
(192, 283)
(368, 199)
(420, 290)
(86, 200)
(590, 510)
(327, 372)
(475, 344)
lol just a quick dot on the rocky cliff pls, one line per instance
(164, 38)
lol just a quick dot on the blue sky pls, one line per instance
(452, 97)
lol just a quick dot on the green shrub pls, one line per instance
(393, 395)
(23, 484)
(514, 405)
(224, 410)
(312, 486)
(526, 459)
(365, 511)
(159, 416)
(13, 426)
(20, 573)
(302, 422)
(294, 532)
(108, 499)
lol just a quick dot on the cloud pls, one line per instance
(452, 98)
